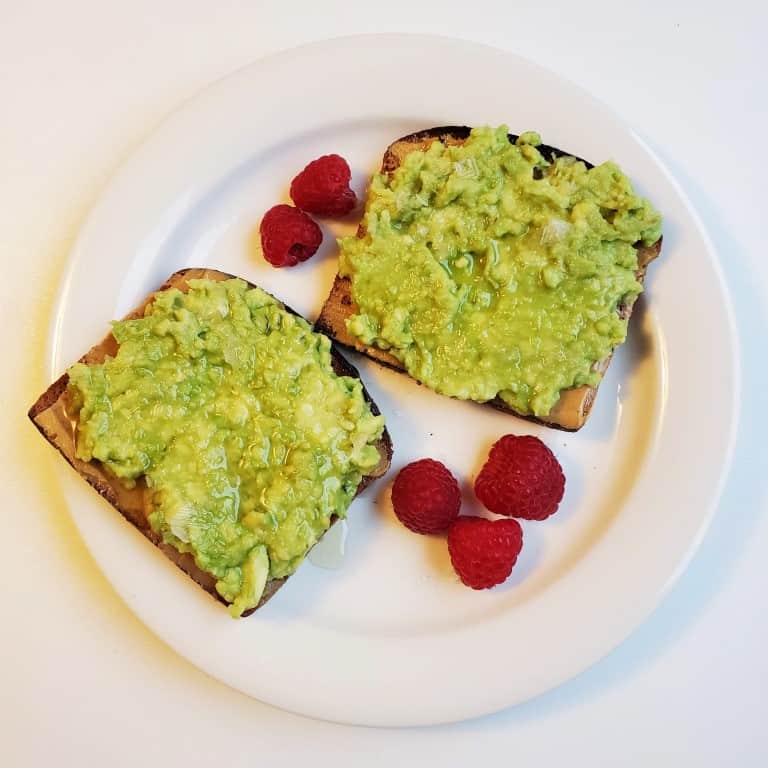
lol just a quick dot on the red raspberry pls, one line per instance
(288, 236)
(322, 187)
(521, 478)
(483, 552)
(426, 496)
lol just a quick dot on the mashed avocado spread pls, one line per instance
(486, 270)
(228, 406)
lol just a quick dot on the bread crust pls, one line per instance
(49, 415)
(572, 409)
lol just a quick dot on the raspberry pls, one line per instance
(322, 187)
(426, 496)
(483, 552)
(288, 236)
(521, 478)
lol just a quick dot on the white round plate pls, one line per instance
(391, 637)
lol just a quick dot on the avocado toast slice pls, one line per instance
(571, 408)
(52, 414)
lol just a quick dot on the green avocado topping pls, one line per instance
(489, 271)
(228, 406)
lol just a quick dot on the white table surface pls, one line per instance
(83, 682)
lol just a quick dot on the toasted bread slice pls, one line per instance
(571, 411)
(50, 416)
